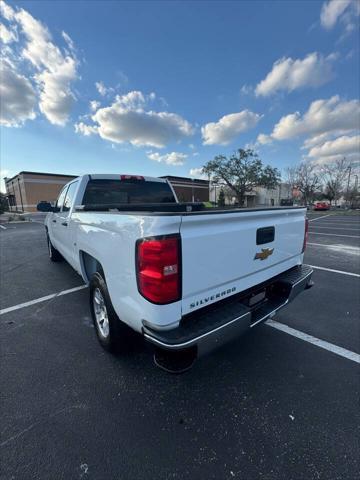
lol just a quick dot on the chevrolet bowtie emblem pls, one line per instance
(264, 254)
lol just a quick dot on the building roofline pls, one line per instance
(40, 173)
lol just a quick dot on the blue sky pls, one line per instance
(159, 88)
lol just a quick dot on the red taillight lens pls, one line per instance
(306, 233)
(131, 177)
(158, 269)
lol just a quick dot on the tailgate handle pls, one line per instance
(265, 235)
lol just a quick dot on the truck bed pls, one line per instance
(173, 208)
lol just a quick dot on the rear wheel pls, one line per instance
(54, 255)
(112, 334)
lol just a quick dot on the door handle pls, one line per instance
(65, 224)
(54, 221)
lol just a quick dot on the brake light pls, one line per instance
(306, 233)
(131, 177)
(158, 269)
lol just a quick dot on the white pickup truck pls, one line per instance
(186, 278)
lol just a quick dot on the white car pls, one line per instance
(186, 278)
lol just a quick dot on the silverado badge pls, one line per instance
(264, 254)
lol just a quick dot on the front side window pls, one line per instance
(69, 199)
(61, 198)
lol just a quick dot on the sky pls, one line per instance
(160, 88)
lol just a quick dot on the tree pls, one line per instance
(334, 176)
(305, 178)
(3, 203)
(221, 199)
(229, 194)
(242, 172)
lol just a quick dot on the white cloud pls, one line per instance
(18, 97)
(128, 119)
(264, 139)
(333, 10)
(84, 129)
(197, 173)
(228, 127)
(288, 74)
(4, 173)
(6, 11)
(53, 70)
(94, 105)
(343, 145)
(323, 116)
(173, 158)
(68, 40)
(246, 89)
(100, 87)
(7, 35)
(56, 71)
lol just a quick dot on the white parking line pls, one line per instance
(41, 299)
(337, 247)
(336, 271)
(336, 228)
(319, 218)
(334, 235)
(342, 352)
(337, 224)
(2, 226)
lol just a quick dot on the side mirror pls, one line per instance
(45, 207)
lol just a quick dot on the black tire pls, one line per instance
(54, 255)
(117, 337)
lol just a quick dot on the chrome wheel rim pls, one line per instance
(101, 315)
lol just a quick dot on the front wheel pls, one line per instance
(113, 335)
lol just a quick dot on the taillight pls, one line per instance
(158, 269)
(306, 233)
(131, 177)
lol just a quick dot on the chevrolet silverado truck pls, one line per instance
(186, 278)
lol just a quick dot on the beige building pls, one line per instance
(26, 189)
(259, 197)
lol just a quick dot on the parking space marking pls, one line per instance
(342, 352)
(334, 234)
(319, 218)
(335, 271)
(41, 299)
(337, 224)
(337, 228)
(2, 226)
(338, 248)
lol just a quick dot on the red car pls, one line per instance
(321, 206)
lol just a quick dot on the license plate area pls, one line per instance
(256, 298)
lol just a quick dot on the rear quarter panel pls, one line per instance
(111, 239)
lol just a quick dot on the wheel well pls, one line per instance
(90, 265)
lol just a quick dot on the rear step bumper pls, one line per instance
(216, 325)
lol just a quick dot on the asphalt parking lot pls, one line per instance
(278, 403)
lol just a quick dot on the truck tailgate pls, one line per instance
(228, 252)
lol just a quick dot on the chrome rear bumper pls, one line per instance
(213, 326)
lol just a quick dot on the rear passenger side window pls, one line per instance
(69, 199)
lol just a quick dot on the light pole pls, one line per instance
(348, 182)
